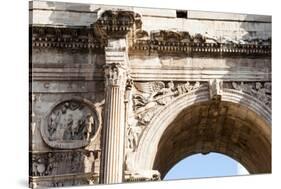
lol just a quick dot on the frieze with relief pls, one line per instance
(59, 163)
(70, 124)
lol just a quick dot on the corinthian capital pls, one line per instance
(115, 75)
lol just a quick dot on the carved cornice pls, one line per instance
(120, 23)
(65, 38)
(182, 43)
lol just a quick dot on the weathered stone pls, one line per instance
(121, 94)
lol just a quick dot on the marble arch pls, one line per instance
(182, 129)
(159, 87)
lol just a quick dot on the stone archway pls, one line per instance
(238, 126)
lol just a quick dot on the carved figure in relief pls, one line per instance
(133, 136)
(155, 94)
(53, 122)
(51, 167)
(70, 121)
(34, 166)
(89, 162)
(210, 38)
(68, 131)
(41, 167)
(165, 94)
(262, 93)
(258, 90)
(243, 87)
(89, 126)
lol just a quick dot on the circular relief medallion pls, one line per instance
(70, 124)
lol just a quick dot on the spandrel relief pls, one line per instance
(70, 124)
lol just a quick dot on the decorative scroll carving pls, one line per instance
(262, 91)
(71, 124)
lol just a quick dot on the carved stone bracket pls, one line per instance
(116, 23)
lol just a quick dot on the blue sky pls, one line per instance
(211, 165)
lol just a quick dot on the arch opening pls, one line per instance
(203, 166)
(229, 128)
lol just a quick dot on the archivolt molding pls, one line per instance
(153, 107)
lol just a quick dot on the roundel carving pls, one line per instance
(70, 124)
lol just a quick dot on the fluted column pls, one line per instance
(116, 27)
(114, 118)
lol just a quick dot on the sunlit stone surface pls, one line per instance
(121, 94)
